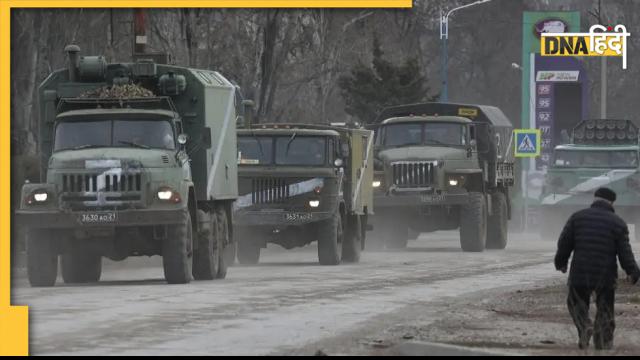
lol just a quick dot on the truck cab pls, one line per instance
(438, 167)
(296, 187)
(137, 159)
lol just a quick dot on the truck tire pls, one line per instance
(473, 223)
(206, 259)
(330, 238)
(352, 244)
(224, 241)
(497, 231)
(42, 261)
(80, 267)
(177, 252)
(248, 248)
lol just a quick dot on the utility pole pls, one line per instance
(444, 36)
(603, 65)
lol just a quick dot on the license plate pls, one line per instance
(298, 216)
(432, 198)
(98, 218)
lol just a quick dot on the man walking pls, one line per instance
(596, 236)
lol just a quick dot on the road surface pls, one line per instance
(285, 305)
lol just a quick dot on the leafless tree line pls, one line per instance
(289, 60)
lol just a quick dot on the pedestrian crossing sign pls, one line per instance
(527, 142)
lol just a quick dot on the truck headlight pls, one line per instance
(377, 183)
(38, 197)
(455, 180)
(167, 194)
(314, 203)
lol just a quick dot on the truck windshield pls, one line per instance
(146, 134)
(432, 133)
(596, 159)
(301, 150)
(289, 150)
(255, 150)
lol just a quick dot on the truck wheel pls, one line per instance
(79, 267)
(206, 259)
(248, 248)
(497, 230)
(352, 244)
(473, 223)
(42, 261)
(177, 252)
(224, 242)
(330, 238)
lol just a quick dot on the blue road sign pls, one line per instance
(527, 142)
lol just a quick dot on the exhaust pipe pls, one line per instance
(72, 53)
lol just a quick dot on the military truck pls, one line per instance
(303, 183)
(602, 152)
(443, 166)
(137, 159)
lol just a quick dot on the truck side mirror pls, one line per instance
(472, 147)
(345, 152)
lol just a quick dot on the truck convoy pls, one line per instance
(137, 159)
(442, 166)
(302, 183)
(603, 152)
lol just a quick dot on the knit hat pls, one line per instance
(606, 193)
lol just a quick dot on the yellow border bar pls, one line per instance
(14, 321)
(212, 3)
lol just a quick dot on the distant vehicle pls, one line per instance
(138, 159)
(603, 152)
(442, 166)
(304, 183)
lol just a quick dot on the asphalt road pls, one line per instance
(288, 304)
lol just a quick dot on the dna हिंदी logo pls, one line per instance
(599, 41)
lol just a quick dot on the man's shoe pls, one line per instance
(585, 337)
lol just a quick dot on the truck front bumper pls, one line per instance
(56, 219)
(419, 199)
(279, 218)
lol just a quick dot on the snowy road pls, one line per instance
(282, 306)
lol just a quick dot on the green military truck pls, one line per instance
(442, 166)
(603, 152)
(303, 183)
(137, 159)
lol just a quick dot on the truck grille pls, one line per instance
(89, 182)
(101, 191)
(268, 191)
(413, 174)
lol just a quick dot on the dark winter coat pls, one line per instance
(595, 236)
